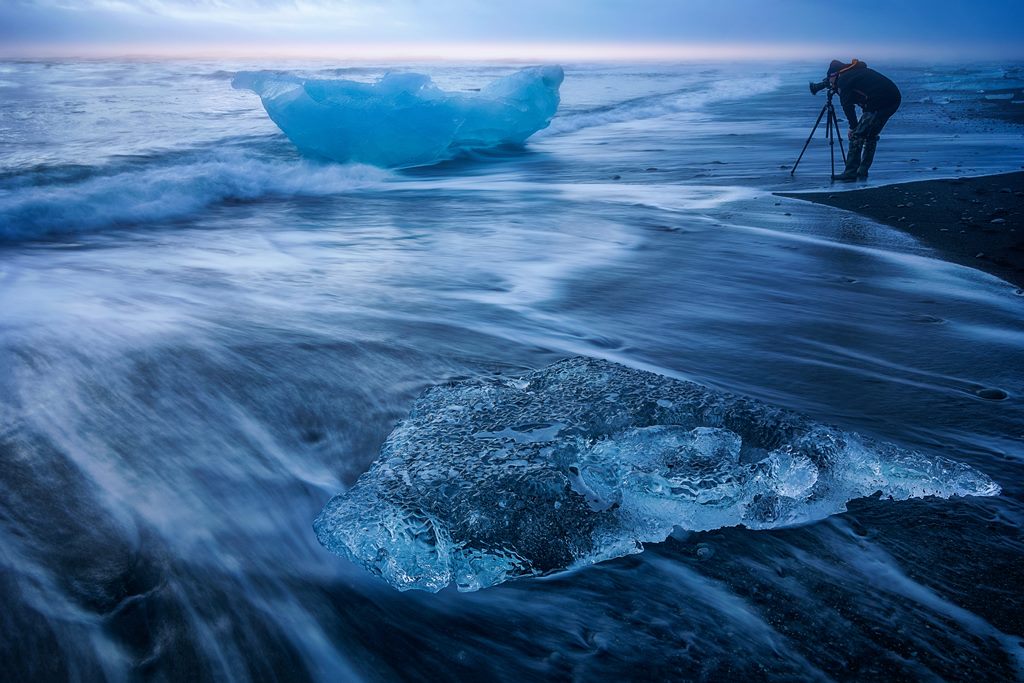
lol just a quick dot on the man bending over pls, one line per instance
(878, 98)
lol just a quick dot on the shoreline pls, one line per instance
(977, 222)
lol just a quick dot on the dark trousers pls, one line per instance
(872, 122)
(864, 141)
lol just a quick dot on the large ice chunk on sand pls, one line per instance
(585, 460)
(404, 119)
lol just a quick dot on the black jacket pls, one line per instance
(868, 89)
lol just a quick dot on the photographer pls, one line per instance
(877, 96)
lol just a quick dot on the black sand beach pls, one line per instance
(978, 222)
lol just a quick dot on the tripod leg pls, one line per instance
(809, 138)
(839, 133)
(831, 140)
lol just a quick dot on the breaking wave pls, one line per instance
(162, 191)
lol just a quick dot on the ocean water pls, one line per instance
(204, 336)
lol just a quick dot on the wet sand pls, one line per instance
(1002, 103)
(978, 222)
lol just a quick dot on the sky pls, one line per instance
(936, 30)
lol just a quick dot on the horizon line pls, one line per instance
(508, 51)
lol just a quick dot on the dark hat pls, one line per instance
(836, 66)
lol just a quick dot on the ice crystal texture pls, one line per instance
(586, 460)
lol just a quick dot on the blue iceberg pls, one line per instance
(586, 460)
(404, 119)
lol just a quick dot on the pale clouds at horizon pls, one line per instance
(989, 29)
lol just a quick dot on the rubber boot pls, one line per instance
(867, 158)
(853, 161)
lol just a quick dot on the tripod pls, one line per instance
(831, 133)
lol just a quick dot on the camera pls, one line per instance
(818, 87)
